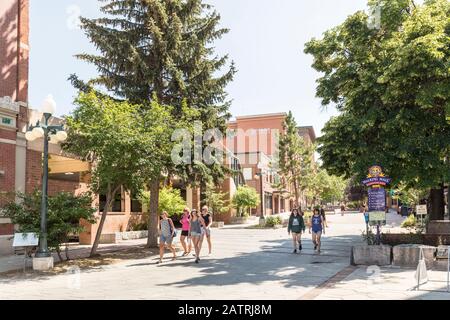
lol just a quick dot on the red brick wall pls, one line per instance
(7, 164)
(14, 30)
(6, 229)
(34, 170)
(55, 186)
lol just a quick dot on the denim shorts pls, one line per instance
(195, 234)
(164, 239)
(206, 231)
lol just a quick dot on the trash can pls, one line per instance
(404, 211)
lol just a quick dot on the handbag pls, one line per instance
(173, 231)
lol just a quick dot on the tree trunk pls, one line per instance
(296, 194)
(58, 252)
(437, 204)
(67, 253)
(109, 198)
(152, 240)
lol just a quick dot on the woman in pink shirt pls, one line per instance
(185, 223)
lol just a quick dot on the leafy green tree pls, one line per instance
(65, 210)
(296, 157)
(325, 187)
(161, 50)
(244, 199)
(118, 139)
(170, 200)
(216, 200)
(391, 86)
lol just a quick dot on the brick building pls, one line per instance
(250, 152)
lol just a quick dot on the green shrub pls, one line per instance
(244, 199)
(409, 222)
(65, 210)
(369, 238)
(273, 221)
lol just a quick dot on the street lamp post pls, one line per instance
(55, 134)
(260, 176)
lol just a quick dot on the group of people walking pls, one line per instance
(297, 227)
(195, 227)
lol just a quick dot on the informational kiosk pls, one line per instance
(376, 181)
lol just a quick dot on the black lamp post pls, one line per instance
(260, 176)
(55, 134)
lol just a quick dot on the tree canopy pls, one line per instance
(391, 86)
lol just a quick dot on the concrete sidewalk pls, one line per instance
(16, 262)
(386, 283)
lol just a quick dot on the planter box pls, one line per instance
(218, 224)
(132, 235)
(371, 255)
(6, 247)
(239, 220)
(109, 238)
(434, 240)
(439, 227)
(407, 255)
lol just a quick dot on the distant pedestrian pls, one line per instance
(206, 231)
(317, 227)
(185, 226)
(167, 233)
(296, 226)
(195, 232)
(324, 216)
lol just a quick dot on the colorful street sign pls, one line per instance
(376, 177)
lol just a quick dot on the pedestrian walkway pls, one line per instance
(386, 283)
(16, 262)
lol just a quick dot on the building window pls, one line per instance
(117, 203)
(268, 197)
(136, 204)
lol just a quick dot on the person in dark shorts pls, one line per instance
(324, 216)
(296, 226)
(206, 231)
(317, 228)
(185, 226)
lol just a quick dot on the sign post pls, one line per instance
(376, 181)
(421, 211)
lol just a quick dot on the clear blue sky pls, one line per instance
(266, 42)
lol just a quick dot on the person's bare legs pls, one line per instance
(208, 238)
(196, 241)
(183, 243)
(189, 244)
(172, 249)
(294, 240)
(318, 240)
(161, 251)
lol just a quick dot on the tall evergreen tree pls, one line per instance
(162, 49)
(295, 158)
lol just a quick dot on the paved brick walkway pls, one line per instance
(246, 264)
